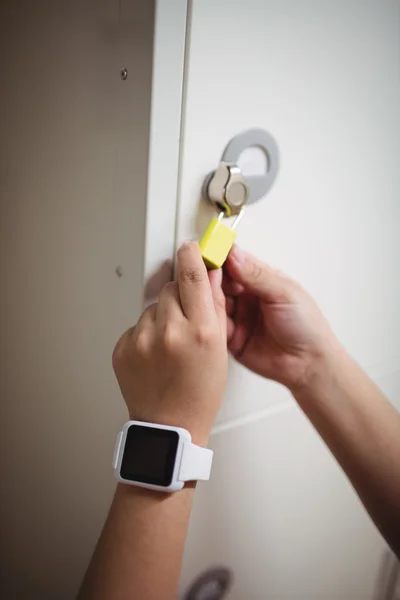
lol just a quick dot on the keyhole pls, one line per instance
(253, 161)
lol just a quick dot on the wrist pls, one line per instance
(322, 370)
(129, 493)
(199, 430)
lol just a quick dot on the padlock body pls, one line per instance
(216, 243)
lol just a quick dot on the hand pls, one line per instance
(172, 367)
(274, 327)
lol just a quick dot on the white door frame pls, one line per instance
(166, 121)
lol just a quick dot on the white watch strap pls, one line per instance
(196, 463)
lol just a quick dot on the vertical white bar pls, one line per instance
(163, 172)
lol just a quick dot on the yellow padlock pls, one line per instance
(217, 241)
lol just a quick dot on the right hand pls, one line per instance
(274, 327)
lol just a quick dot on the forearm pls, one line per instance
(140, 550)
(362, 429)
(172, 368)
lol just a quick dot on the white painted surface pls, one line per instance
(163, 170)
(73, 169)
(75, 158)
(280, 514)
(323, 78)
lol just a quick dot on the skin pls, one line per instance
(172, 369)
(276, 329)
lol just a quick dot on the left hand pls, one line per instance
(172, 366)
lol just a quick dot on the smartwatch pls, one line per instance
(159, 457)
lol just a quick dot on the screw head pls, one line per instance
(124, 74)
(212, 584)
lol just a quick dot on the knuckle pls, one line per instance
(120, 350)
(143, 343)
(169, 289)
(191, 275)
(117, 356)
(256, 271)
(205, 335)
(171, 338)
(170, 286)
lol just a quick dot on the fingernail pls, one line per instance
(237, 254)
(215, 276)
(185, 244)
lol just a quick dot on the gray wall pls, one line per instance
(73, 162)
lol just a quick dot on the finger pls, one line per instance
(257, 277)
(146, 319)
(194, 286)
(245, 321)
(169, 303)
(230, 306)
(230, 329)
(215, 279)
(231, 287)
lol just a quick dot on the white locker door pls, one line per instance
(323, 78)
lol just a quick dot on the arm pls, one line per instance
(172, 369)
(362, 429)
(139, 553)
(276, 329)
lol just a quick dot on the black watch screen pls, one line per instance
(149, 455)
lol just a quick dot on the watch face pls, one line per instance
(149, 455)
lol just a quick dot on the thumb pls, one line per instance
(256, 277)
